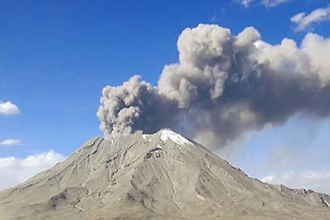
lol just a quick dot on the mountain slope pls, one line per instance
(158, 176)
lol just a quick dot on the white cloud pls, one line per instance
(8, 108)
(214, 18)
(14, 171)
(314, 179)
(305, 21)
(10, 142)
(273, 3)
(246, 3)
(266, 3)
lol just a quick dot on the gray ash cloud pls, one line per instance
(223, 86)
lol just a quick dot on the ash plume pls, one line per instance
(223, 86)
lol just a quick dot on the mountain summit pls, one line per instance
(156, 176)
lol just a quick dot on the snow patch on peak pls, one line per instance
(145, 136)
(200, 197)
(325, 202)
(177, 138)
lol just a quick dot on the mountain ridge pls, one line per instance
(154, 176)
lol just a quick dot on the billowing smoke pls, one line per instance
(223, 86)
(136, 105)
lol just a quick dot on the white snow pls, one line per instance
(160, 147)
(145, 136)
(326, 202)
(177, 138)
(200, 197)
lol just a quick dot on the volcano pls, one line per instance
(156, 176)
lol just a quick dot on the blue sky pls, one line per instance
(56, 56)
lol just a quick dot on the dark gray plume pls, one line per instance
(223, 86)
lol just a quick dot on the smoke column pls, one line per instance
(223, 86)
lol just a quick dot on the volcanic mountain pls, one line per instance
(156, 176)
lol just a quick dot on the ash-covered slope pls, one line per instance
(158, 176)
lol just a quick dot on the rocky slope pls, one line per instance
(157, 176)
